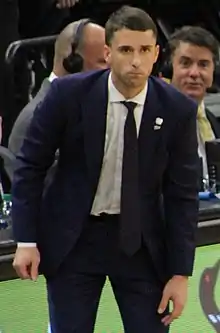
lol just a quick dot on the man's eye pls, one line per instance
(185, 63)
(126, 50)
(204, 64)
(145, 49)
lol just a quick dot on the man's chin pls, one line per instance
(136, 82)
(196, 95)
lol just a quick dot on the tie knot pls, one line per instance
(129, 105)
(200, 112)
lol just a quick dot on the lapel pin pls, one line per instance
(159, 121)
(156, 127)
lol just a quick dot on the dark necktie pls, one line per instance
(130, 223)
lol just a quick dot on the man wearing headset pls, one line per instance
(79, 47)
(191, 55)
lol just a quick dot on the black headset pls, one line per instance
(166, 67)
(74, 62)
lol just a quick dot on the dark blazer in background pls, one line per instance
(23, 121)
(72, 118)
(213, 122)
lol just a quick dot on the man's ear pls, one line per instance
(157, 51)
(107, 54)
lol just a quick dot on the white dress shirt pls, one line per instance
(108, 195)
(52, 77)
(107, 199)
(201, 147)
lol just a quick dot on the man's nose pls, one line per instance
(194, 71)
(136, 60)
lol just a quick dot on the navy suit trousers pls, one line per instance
(74, 290)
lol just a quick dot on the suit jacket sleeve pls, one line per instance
(180, 190)
(19, 129)
(34, 159)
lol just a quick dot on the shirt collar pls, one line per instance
(52, 77)
(115, 96)
(202, 104)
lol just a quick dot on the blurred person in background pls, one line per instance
(23, 19)
(193, 52)
(79, 47)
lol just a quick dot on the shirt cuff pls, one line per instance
(20, 244)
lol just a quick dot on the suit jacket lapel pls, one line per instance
(150, 135)
(152, 141)
(94, 111)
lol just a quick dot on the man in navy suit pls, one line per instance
(123, 202)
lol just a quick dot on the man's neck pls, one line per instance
(59, 72)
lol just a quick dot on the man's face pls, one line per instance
(131, 56)
(193, 68)
(93, 48)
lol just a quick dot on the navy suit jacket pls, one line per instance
(72, 118)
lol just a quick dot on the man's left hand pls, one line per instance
(175, 291)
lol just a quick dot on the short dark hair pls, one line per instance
(196, 36)
(131, 18)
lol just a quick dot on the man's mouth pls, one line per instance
(194, 84)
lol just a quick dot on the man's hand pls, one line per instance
(26, 262)
(175, 291)
(66, 3)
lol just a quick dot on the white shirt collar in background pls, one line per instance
(52, 77)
